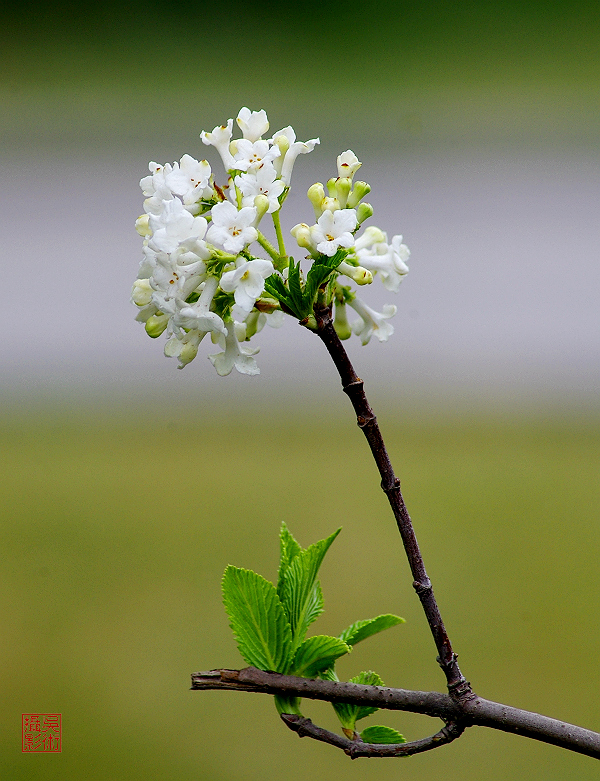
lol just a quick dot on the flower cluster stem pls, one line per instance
(352, 385)
(280, 241)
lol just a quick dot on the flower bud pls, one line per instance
(301, 233)
(251, 324)
(316, 195)
(142, 225)
(359, 274)
(364, 211)
(261, 204)
(283, 142)
(343, 186)
(330, 204)
(188, 352)
(359, 191)
(141, 293)
(340, 322)
(156, 324)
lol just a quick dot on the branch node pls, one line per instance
(423, 588)
(388, 489)
(365, 420)
(460, 690)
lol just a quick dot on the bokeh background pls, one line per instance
(128, 486)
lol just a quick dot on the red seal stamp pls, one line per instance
(42, 733)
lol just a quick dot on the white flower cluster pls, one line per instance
(198, 275)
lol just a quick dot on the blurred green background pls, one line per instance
(119, 517)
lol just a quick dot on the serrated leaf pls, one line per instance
(258, 620)
(378, 734)
(349, 713)
(360, 630)
(316, 654)
(367, 678)
(314, 279)
(276, 286)
(295, 289)
(302, 597)
(289, 549)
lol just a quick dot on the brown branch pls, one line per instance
(357, 748)
(474, 711)
(390, 484)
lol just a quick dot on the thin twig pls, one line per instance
(352, 385)
(475, 711)
(357, 748)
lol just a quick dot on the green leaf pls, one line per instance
(360, 630)
(317, 275)
(257, 619)
(378, 734)
(302, 597)
(295, 289)
(289, 549)
(367, 678)
(349, 713)
(275, 285)
(316, 654)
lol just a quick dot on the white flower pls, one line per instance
(401, 255)
(220, 138)
(263, 182)
(286, 140)
(172, 283)
(235, 355)
(198, 316)
(184, 346)
(369, 238)
(189, 179)
(375, 254)
(372, 322)
(157, 179)
(348, 164)
(232, 229)
(333, 230)
(252, 124)
(251, 155)
(155, 204)
(247, 282)
(175, 225)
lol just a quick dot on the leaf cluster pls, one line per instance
(270, 625)
(298, 296)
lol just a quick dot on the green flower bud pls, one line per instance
(359, 191)
(252, 324)
(340, 322)
(343, 186)
(364, 211)
(188, 352)
(156, 324)
(360, 275)
(331, 186)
